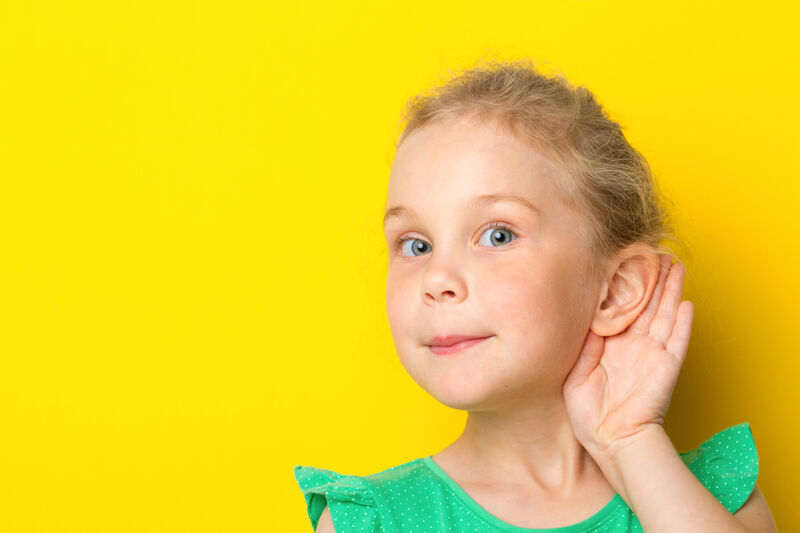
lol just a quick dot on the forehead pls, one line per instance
(451, 162)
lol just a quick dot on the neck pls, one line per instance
(531, 444)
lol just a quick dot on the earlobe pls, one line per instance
(627, 290)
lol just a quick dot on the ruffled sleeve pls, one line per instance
(727, 465)
(349, 498)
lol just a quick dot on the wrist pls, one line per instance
(616, 450)
(630, 454)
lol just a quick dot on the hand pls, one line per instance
(621, 385)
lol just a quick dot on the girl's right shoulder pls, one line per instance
(356, 503)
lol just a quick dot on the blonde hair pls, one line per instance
(599, 174)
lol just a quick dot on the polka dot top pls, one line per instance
(420, 497)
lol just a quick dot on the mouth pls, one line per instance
(456, 344)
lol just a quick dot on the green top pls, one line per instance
(419, 496)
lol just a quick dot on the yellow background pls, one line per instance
(192, 264)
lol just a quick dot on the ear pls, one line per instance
(625, 292)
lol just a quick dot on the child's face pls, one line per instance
(456, 274)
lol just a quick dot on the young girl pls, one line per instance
(527, 284)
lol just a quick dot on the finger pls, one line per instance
(664, 321)
(678, 342)
(588, 359)
(642, 322)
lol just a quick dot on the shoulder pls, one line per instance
(352, 502)
(347, 498)
(726, 464)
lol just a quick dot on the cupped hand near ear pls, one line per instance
(621, 385)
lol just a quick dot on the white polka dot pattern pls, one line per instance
(419, 497)
(727, 465)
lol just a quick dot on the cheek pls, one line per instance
(518, 297)
(531, 308)
(399, 306)
(394, 296)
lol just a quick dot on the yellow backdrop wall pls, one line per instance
(192, 262)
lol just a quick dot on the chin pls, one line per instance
(466, 385)
(461, 392)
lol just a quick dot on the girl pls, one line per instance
(527, 284)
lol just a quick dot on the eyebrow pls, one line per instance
(477, 202)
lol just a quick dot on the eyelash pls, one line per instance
(494, 224)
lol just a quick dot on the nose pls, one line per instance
(442, 284)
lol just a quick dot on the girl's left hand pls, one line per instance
(621, 385)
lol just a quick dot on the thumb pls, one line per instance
(588, 359)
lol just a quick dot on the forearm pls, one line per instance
(662, 492)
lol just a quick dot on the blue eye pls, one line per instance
(417, 245)
(497, 234)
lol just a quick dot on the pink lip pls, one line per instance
(454, 343)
